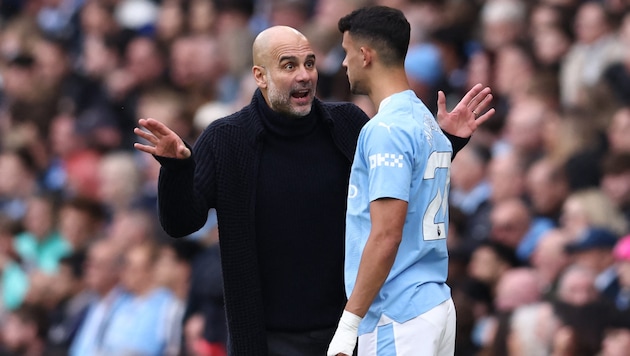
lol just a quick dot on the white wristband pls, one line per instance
(345, 338)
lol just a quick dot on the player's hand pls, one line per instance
(162, 141)
(469, 113)
(345, 338)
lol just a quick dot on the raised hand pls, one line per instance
(469, 113)
(162, 141)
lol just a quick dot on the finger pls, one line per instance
(184, 151)
(144, 148)
(478, 99)
(147, 125)
(441, 100)
(145, 135)
(441, 105)
(471, 94)
(483, 103)
(158, 128)
(483, 118)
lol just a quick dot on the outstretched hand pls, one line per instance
(162, 141)
(469, 113)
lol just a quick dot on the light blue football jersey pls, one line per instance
(402, 153)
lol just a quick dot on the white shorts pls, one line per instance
(431, 333)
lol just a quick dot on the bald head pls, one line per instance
(269, 40)
(284, 70)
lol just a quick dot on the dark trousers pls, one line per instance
(307, 343)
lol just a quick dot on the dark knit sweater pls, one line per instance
(300, 216)
(224, 173)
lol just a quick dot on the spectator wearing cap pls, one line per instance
(621, 252)
(593, 249)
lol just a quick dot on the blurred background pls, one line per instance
(540, 198)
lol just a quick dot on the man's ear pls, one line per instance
(368, 55)
(260, 76)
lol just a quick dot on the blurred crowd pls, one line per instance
(539, 237)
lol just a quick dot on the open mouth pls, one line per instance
(300, 94)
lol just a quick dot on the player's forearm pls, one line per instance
(376, 262)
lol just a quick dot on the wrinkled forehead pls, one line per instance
(296, 48)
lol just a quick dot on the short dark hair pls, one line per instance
(383, 27)
(503, 252)
(94, 208)
(76, 262)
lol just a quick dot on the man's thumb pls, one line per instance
(184, 151)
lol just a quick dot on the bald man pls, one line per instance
(277, 173)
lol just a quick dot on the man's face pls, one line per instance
(578, 288)
(353, 62)
(485, 265)
(101, 272)
(291, 78)
(138, 270)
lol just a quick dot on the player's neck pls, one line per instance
(387, 83)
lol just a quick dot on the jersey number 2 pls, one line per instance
(433, 230)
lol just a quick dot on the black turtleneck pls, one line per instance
(300, 227)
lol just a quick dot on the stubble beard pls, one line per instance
(281, 102)
(355, 87)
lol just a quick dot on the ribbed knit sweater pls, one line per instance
(225, 172)
(300, 216)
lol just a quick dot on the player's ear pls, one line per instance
(368, 55)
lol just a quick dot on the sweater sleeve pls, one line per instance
(184, 188)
